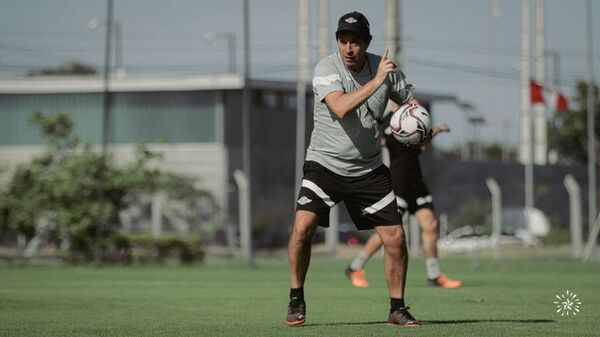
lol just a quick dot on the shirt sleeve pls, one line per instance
(326, 80)
(402, 91)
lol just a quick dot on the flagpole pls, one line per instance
(526, 148)
(590, 122)
(539, 108)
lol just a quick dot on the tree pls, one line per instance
(55, 197)
(568, 131)
(70, 68)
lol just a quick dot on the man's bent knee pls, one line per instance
(392, 236)
(305, 224)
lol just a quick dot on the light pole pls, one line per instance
(591, 141)
(475, 119)
(106, 109)
(246, 139)
(230, 37)
(118, 31)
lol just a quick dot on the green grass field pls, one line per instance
(220, 298)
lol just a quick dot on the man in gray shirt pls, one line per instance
(343, 161)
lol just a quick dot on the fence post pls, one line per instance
(244, 215)
(496, 213)
(156, 214)
(444, 230)
(332, 235)
(415, 236)
(592, 239)
(575, 214)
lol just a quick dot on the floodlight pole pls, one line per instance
(324, 37)
(246, 128)
(591, 151)
(526, 148)
(392, 29)
(302, 78)
(540, 140)
(106, 107)
(332, 236)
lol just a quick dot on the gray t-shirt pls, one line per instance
(350, 146)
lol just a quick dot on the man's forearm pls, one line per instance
(342, 103)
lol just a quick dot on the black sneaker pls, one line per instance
(296, 314)
(402, 317)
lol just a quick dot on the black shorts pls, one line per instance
(369, 198)
(411, 194)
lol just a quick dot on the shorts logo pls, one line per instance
(423, 200)
(304, 200)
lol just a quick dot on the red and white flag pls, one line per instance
(561, 103)
(536, 91)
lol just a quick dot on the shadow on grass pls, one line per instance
(467, 321)
(458, 321)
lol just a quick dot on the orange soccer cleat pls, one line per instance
(357, 277)
(445, 282)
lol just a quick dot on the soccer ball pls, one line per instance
(411, 124)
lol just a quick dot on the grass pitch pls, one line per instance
(512, 297)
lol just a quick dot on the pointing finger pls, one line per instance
(385, 54)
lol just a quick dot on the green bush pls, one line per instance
(560, 233)
(474, 212)
(68, 191)
(164, 247)
(145, 248)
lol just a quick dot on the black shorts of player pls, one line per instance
(411, 194)
(369, 198)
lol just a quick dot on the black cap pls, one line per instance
(356, 23)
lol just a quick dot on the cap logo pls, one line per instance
(351, 20)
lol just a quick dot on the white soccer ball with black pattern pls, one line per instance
(411, 124)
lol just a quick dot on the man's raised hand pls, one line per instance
(385, 67)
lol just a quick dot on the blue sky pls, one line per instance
(450, 47)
